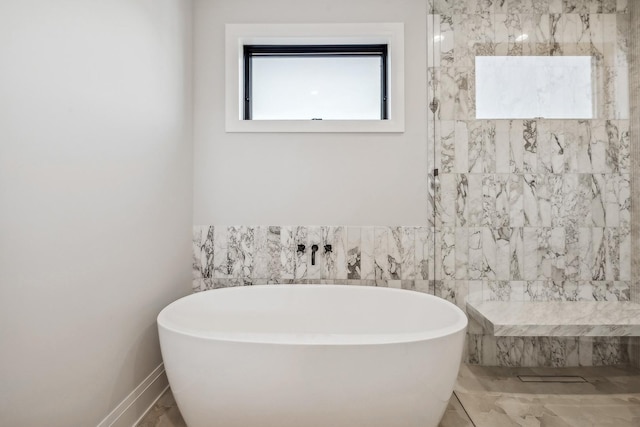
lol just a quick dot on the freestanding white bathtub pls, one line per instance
(311, 356)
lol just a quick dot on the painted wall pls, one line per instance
(289, 178)
(95, 189)
(532, 210)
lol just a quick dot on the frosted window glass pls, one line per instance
(553, 87)
(328, 88)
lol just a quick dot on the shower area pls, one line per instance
(533, 194)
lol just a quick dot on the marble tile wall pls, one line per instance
(531, 210)
(634, 89)
(400, 257)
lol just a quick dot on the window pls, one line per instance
(520, 87)
(315, 82)
(314, 77)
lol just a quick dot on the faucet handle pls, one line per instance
(301, 248)
(328, 248)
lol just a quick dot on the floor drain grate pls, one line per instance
(551, 379)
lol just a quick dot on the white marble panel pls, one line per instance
(502, 25)
(598, 199)
(447, 44)
(475, 200)
(434, 39)
(555, 34)
(625, 253)
(381, 254)
(502, 146)
(315, 237)
(516, 144)
(447, 90)
(240, 249)
(220, 254)
(530, 238)
(544, 147)
(489, 253)
(599, 148)
(510, 351)
(572, 254)
(424, 249)
(446, 151)
(502, 202)
(530, 201)
(503, 252)
(489, 195)
(202, 252)
(475, 268)
(445, 253)
(447, 199)
(454, 291)
(571, 147)
(288, 253)
(475, 143)
(462, 196)
(461, 132)
(596, 33)
(610, 33)
(550, 200)
(403, 246)
(542, 30)
(558, 145)
(612, 263)
(461, 253)
(464, 81)
(354, 253)
(463, 49)
(516, 201)
(516, 254)
(367, 253)
(302, 258)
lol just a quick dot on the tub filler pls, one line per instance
(311, 356)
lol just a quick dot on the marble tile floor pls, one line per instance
(496, 397)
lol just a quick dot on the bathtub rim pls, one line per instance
(325, 339)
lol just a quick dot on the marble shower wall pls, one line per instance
(531, 210)
(634, 89)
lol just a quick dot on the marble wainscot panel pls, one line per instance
(632, 23)
(531, 210)
(396, 256)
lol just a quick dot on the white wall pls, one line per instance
(279, 178)
(95, 200)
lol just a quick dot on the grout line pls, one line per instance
(464, 409)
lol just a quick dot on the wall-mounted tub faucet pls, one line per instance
(314, 249)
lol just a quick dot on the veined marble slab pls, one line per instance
(555, 318)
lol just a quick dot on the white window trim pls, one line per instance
(237, 35)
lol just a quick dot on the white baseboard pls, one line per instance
(131, 410)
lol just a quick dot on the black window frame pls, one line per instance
(324, 50)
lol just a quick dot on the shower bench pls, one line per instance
(554, 318)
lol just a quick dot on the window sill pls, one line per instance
(306, 126)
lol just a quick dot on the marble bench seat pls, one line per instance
(553, 318)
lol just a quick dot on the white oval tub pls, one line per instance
(311, 356)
